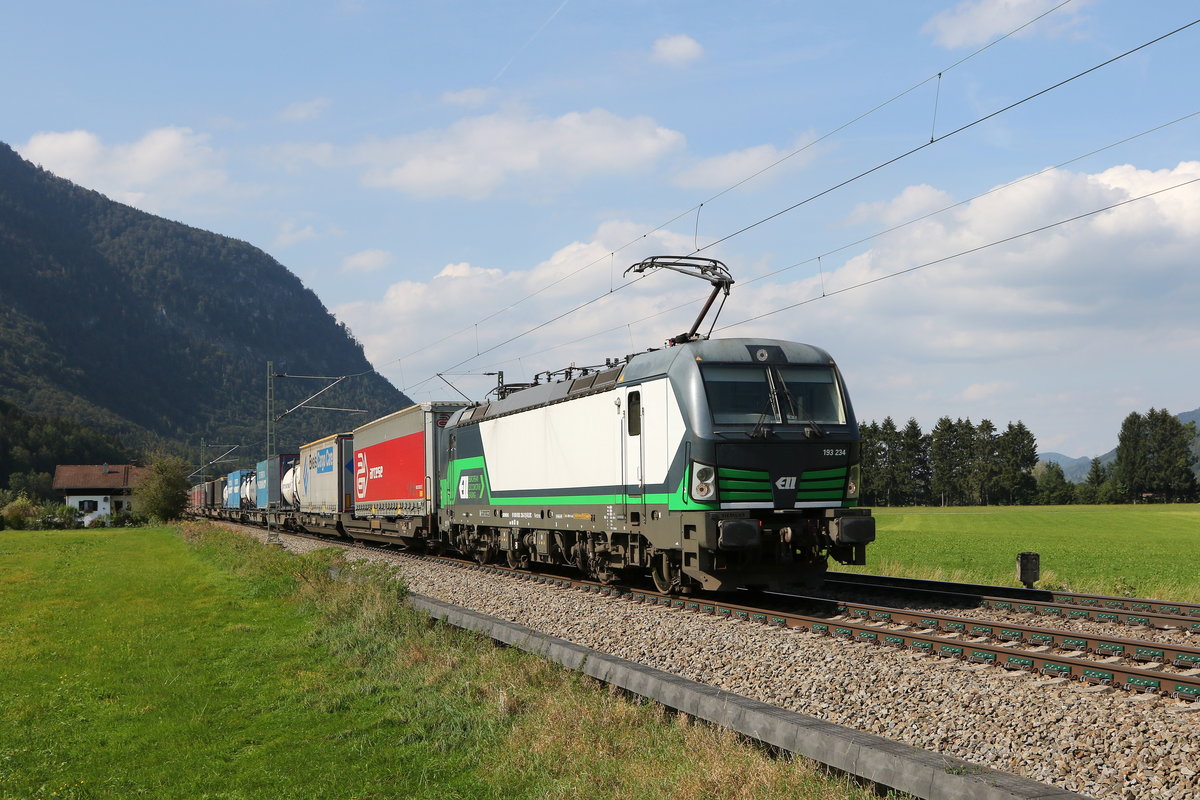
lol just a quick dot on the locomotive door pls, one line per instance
(633, 457)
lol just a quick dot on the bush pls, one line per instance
(21, 514)
(58, 517)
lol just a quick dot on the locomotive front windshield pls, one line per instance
(754, 394)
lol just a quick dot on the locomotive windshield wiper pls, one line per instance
(759, 429)
(773, 408)
(781, 389)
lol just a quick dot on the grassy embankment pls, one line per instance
(140, 665)
(1149, 551)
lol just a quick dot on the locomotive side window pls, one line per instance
(748, 394)
(635, 413)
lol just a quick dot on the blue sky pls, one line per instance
(449, 175)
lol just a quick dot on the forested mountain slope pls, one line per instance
(155, 331)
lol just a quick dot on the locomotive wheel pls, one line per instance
(665, 574)
(516, 559)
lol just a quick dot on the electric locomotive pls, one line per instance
(711, 464)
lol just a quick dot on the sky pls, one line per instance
(973, 212)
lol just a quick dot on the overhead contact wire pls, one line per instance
(962, 253)
(944, 136)
(743, 181)
(869, 237)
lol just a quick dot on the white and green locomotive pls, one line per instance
(710, 464)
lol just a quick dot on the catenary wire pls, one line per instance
(738, 184)
(944, 136)
(876, 168)
(962, 253)
(863, 239)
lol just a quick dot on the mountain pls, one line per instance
(1076, 469)
(157, 332)
(1193, 416)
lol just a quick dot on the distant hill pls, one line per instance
(1193, 416)
(1076, 469)
(158, 332)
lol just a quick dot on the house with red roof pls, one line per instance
(98, 490)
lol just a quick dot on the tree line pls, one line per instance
(960, 463)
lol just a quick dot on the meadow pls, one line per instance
(146, 663)
(1144, 550)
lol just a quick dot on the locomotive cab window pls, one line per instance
(749, 394)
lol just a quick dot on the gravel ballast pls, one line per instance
(1088, 739)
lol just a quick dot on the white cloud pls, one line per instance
(366, 261)
(411, 316)
(978, 391)
(465, 270)
(306, 110)
(158, 173)
(976, 22)
(730, 168)
(291, 233)
(912, 202)
(476, 155)
(677, 51)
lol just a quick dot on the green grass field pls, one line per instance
(1150, 551)
(140, 664)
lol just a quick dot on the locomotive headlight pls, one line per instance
(704, 482)
(855, 480)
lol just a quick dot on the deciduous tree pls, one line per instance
(162, 493)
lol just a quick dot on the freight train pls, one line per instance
(707, 464)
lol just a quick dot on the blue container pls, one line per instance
(268, 476)
(234, 484)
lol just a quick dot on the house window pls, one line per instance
(118, 505)
(88, 505)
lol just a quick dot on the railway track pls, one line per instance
(1103, 660)
(1073, 605)
(997, 644)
